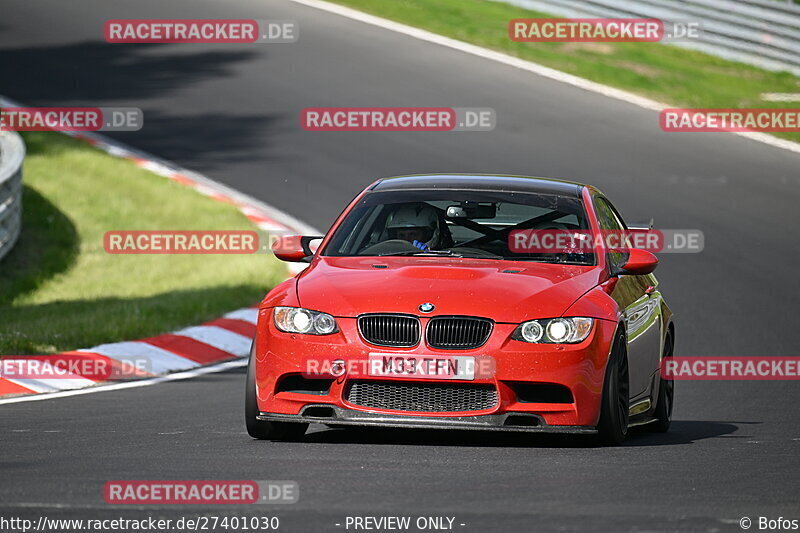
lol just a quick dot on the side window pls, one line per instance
(609, 221)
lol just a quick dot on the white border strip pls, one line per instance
(529, 66)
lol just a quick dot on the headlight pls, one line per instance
(554, 330)
(299, 320)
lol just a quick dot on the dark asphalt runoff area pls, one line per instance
(232, 112)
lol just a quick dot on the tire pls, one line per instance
(262, 429)
(666, 395)
(614, 411)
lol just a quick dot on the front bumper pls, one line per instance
(578, 368)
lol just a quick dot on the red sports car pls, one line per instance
(424, 306)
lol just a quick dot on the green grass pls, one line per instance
(672, 75)
(59, 289)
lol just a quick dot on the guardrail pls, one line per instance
(764, 33)
(12, 153)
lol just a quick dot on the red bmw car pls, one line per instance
(418, 310)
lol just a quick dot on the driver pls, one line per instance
(417, 224)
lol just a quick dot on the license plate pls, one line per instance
(422, 366)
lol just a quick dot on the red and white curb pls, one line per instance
(188, 351)
(219, 340)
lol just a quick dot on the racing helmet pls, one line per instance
(416, 216)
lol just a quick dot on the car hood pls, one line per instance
(504, 291)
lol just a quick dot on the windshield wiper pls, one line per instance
(445, 253)
(430, 253)
(475, 255)
(551, 260)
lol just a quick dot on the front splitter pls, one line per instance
(331, 414)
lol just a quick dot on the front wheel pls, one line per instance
(262, 429)
(614, 410)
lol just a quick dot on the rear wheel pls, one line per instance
(666, 395)
(262, 429)
(613, 426)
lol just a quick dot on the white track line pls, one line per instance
(522, 64)
(130, 384)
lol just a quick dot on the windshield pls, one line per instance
(474, 224)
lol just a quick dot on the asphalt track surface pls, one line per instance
(232, 111)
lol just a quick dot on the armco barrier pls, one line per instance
(12, 153)
(764, 33)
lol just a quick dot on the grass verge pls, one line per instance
(59, 289)
(675, 76)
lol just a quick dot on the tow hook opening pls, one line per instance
(522, 420)
(319, 411)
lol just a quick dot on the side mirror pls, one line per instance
(639, 263)
(294, 248)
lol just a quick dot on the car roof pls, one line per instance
(480, 182)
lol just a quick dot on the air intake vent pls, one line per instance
(399, 331)
(541, 392)
(422, 397)
(298, 384)
(458, 332)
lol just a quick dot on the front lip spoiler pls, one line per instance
(351, 417)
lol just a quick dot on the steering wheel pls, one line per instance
(553, 225)
(388, 247)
